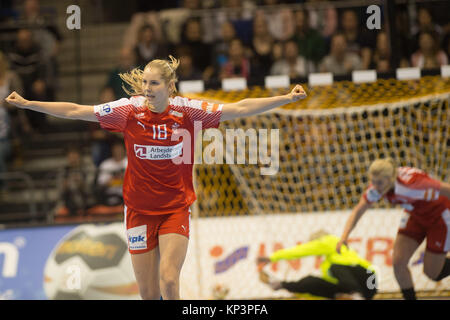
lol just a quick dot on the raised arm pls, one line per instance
(66, 110)
(252, 106)
(356, 214)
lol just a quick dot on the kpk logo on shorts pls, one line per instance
(137, 238)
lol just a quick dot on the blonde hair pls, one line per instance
(167, 68)
(318, 234)
(383, 167)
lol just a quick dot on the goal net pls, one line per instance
(324, 153)
(324, 145)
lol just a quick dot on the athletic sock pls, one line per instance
(445, 270)
(409, 294)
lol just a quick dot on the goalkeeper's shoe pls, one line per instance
(271, 281)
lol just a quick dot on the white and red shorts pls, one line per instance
(143, 230)
(436, 230)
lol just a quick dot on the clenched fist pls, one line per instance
(297, 93)
(16, 100)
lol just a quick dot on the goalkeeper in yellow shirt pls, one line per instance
(344, 273)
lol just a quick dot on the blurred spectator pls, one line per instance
(26, 59)
(261, 45)
(358, 41)
(426, 23)
(101, 139)
(75, 187)
(238, 65)
(13, 122)
(403, 39)
(186, 69)
(282, 25)
(383, 65)
(277, 50)
(138, 20)
(382, 51)
(310, 43)
(324, 20)
(221, 46)
(292, 64)
(241, 14)
(110, 176)
(429, 55)
(45, 33)
(127, 61)
(340, 61)
(192, 38)
(173, 20)
(148, 48)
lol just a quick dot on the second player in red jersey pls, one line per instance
(427, 216)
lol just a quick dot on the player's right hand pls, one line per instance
(339, 245)
(16, 100)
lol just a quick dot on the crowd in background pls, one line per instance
(247, 39)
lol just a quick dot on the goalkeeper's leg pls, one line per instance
(311, 285)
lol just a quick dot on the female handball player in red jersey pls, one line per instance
(157, 191)
(427, 215)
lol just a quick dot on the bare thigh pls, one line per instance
(146, 271)
(173, 248)
(433, 263)
(404, 248)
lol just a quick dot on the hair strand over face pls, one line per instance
(167, 69)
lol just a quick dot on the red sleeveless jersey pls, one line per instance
(160, 149)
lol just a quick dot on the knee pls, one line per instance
(400, 263)
(169, 277)
(430, 272)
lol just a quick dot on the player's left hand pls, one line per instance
(262, 260)
(297, 93)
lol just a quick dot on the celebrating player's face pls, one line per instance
(155, 89)
(381, 183)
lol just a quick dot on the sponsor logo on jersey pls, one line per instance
(176, 113)
(141, 124)
(105, 109)
(175, 127)
(158, 152)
